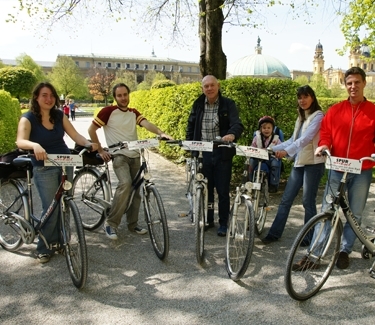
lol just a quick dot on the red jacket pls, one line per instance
(350, 132)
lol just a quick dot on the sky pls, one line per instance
(291, 41)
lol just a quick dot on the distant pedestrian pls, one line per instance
(66, 109)
(73, 108)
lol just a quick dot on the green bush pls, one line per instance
(163, 84)
(10, 113)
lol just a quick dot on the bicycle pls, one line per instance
(308, 268)
(19, 225)
(92, 190)
(197, 191)
(248, 212)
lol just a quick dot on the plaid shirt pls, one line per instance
(210, 122)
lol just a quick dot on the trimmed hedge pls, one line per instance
(10, 113)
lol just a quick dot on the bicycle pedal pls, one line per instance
(183, 215)
(268, 209)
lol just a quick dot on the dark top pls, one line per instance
(51, 140)
(229, 122)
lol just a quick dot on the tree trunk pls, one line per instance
(212, 58)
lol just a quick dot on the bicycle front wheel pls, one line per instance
(75, 244)
(156, 221)
(11, 201)
(89, 191)
(309, 265)
(199, 224)
(261, 206)
(240, 239)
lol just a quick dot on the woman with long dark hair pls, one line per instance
(307, 170)
(42, 130)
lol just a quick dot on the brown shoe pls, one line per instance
(343, 260)
(304, 264)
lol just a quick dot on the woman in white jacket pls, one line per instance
(307, 170)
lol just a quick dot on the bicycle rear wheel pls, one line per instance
(11, 201)
(89, 191)
(240, 239)
(308, 268)
(199, 224)
(261, 205)
(156, 221)
(75, 244)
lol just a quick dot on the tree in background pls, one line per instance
(172, 17)
(319, 84)
(2, 65)
(126, 77)
(100, 84)
(19, 82)
(67, 79)
(25, 61)
(302, 80)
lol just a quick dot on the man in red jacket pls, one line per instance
(348, 131)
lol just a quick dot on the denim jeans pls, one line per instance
(47, 180)
(272, 167)
(218, 173)
(125, 169)
(357, 187)
(307, 177)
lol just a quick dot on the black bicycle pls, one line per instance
(92, 191)
(19, 225)
(308, 268)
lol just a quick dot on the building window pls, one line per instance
(118, 65)
(189, 69)
(88, 65)
(180, 69)
(108, 65)
(155, 67)
(77, 63)
(162, 67)
(99, 64)
(127, 65)
(136, 66)
(364, 66)
(146, 67)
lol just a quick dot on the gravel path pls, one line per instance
(128, 284)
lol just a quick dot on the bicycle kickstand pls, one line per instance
(372, 271)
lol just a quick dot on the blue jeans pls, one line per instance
(357, 187)
(218, 173)
(307, 177)
(272, 167)
(47, 180)
(125, 169)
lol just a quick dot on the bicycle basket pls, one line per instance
(89, 158)
(7, 169)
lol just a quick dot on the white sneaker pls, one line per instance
(111, 232)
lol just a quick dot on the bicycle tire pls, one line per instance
(261, 206)
(199, 225)
(11, 201)
(240, 239)
(306, 269)
(75, 244)
(87, 189)
(156, 220)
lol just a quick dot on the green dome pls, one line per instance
(259, 65)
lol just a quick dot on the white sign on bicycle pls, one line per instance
(142, 144)
(353, 166)
(64, 160)
(252, 152)
(198, 145)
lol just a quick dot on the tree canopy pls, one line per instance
(25, 61)
(67, 78)
(18, 81)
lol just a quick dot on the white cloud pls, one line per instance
(298, 47)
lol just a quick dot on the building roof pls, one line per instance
(259, 65)
(44, 64)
